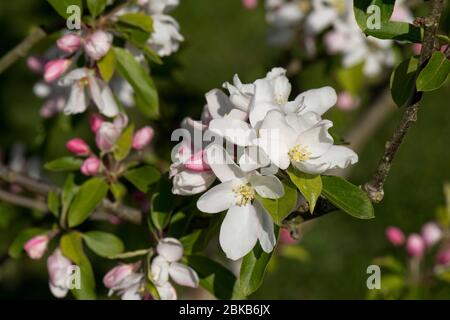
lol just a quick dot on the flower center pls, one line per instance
(299, 153)
(304, 5)
(280, 99)
(84, 81)
(244, 194)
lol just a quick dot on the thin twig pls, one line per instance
(375, 187)
(33, 204)
(41, 188)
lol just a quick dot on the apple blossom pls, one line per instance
(54, 69)
(246, 220)
(78, 147)
(97, 44)
(90, 166)
(124, 280)
(166, 265)
(59, 270)
(166, 35)
(395, 236)
(36, 246)
(95, 122)
(415, 245)
(346, 101)
(35, 64)
(69, 43)
(250, 4)
(431, 233)
(142, 138)
(79, 80)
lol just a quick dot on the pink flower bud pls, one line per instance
(197, 162)
(250, 4)
(36, 246)
(346, 101)
(415, 246)
(90, 166)
(95, 122)
(98, 44)
(395, 236)
(117, 274)
(431, 233)
(69, 43)
(142, 138)
(78, 147)
(107, 136)
(35, 64)
(443, 256)
(55, 69)
(286, 238)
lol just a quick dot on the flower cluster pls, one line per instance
(106, 136)
(269, 132)
(336, 20)
(86, 84)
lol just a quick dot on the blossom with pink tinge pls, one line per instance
(142, 138)
(98, 44)
(36, 246)
(69, 43)
(54, 69)
(78, 147)
(117, 274)
(90, 166)
(35, 64)
(443, 256)
(395, 236)
(125, 281)
(431, 233)
(95, 122)
(347, 101)
(286, 238)
(59, 270)
(250, 4)
(107, 136)
(415, 245)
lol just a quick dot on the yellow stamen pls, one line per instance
(244, 194)
(305, 5)
(299, 153)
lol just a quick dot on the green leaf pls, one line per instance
(53, 203)
(142, 177)
(16, 247)
(69, 191)
(389, 262)
(162, 204)
(132, 34)
(96, 6)
(91, 193)
(213, 276)
(253, 267)
(64, 164)
(142, 83)
(403, 81)
(280, 208)
(129, 254)
(61, 6)
(138, 20)
(199, 239)
(347, 197)
(102, 243)
(118, 190)
(435, 73)
(124, 143)
(400, 31)
(107, 65)
(72, 248)
(309, 185)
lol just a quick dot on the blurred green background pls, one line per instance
(222, 38)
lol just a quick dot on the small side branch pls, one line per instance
(375, 187)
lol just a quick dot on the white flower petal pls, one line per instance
(222, 165)
(73, 77)
(103, 97)
(58, 292)
(267, 186)
(219, 104)
(160, 270)
(239, 231)
(218, 198)
(170, 248)
(77, 102)
(317, 139)
(183, 275)
(318, 101)
(253, 158)
(235, 131)
(167, 292)
(266, 233)
(132, 293)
